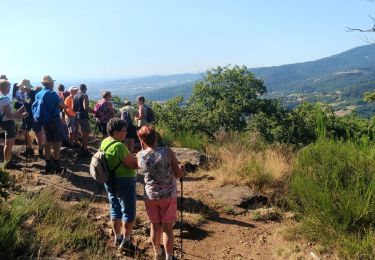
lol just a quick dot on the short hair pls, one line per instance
(82, 87)
(4, 83)
(115, 124)
(60, 87)
(141, 98)
(147, 134)
(127, 103)
(106, 94)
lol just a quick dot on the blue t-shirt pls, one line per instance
(51, 101)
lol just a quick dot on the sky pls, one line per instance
(114, 39)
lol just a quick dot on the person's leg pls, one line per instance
(48, 150)
(40, 138)
(56, 150)
(168, 239)
(26, 135)
(155, 236)
(9, 143)
(115, 214)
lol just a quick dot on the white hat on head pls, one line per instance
(73, 88)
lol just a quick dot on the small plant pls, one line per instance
(5, 184)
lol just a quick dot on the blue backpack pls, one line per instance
(39, 110)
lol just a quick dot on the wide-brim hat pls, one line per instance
(25, 83)
(4, 77)
(47, 79)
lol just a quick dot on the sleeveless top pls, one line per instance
(160, 182)
(78, 106)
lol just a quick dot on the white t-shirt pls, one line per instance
(4, 101)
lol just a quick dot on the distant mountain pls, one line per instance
(344, 71)
(355, 63)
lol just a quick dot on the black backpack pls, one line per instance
(126, 117)
(150, 116)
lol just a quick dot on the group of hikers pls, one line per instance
(48, 113)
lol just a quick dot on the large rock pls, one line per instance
(239, 197)
(191, 158)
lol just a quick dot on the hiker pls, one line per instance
(62, 95)
(7, 122)
(49, 105)
(121, 190)
(128, 114)
(82, 109)
(28, 123)
(161, 169)
(70, 117)
(145, 114)
(18, 96)
(104, 111)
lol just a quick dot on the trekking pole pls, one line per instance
(181, 217)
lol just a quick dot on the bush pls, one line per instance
(333, 187)
(38, 225)
(5, 185)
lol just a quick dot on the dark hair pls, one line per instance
(147, 134)
(15, 89)
(106, 94)
(127, 103)
(82, 87)
(115, 124)
(141, 98)
(47, 85)
(60, 87)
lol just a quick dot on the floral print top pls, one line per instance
(160, 182)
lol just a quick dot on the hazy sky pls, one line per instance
(92, 39)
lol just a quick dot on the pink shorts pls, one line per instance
(161, 211)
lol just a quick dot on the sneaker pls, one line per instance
(48, 169)
(56, 166)
(127, 245)
(40, 153)
(28, 152)
(10, 165)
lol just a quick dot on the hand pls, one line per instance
(24, 115)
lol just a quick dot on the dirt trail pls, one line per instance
(218, 235)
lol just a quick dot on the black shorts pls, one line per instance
(131, 132)
(54, 130)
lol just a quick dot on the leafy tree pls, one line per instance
(223, 100)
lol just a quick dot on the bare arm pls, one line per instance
(130, 161)
(86, 105)
(18, 115)
(141, 113)
(178, 169)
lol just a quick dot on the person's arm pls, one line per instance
(18, 115)
(110, 106)
(86, 105)
(141, 113)
(177, 168)
(130, 161)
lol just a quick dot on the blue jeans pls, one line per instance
(122, 202)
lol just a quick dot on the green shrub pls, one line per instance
(5, 184)
(182, 139)
(38, 225)
(333, 188)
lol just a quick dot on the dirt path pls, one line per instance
(209, 234)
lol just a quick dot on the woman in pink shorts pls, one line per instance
(160, 168)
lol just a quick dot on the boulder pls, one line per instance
(192, 159)
(239, 197)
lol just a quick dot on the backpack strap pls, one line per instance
(106, 148)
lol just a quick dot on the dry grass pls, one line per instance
(245, 160)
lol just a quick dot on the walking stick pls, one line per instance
(181, 217)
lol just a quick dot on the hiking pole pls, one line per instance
(181, 217)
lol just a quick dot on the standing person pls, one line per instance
(28, 123)
(52, 105)
(160, 168)
(104, 111)
(128, 114)
(82, 108)
(122, 189)
(142, 111)
(7, 122)
(18, 96)
(70, 116)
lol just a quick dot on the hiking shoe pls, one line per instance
(48, 169)
(56, 166)
(40, 153)
(10, 165)
(127, 245)
(85, 153)
(28, 152)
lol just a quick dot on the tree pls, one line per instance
(224, 99)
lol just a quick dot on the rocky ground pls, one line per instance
(218, 222)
